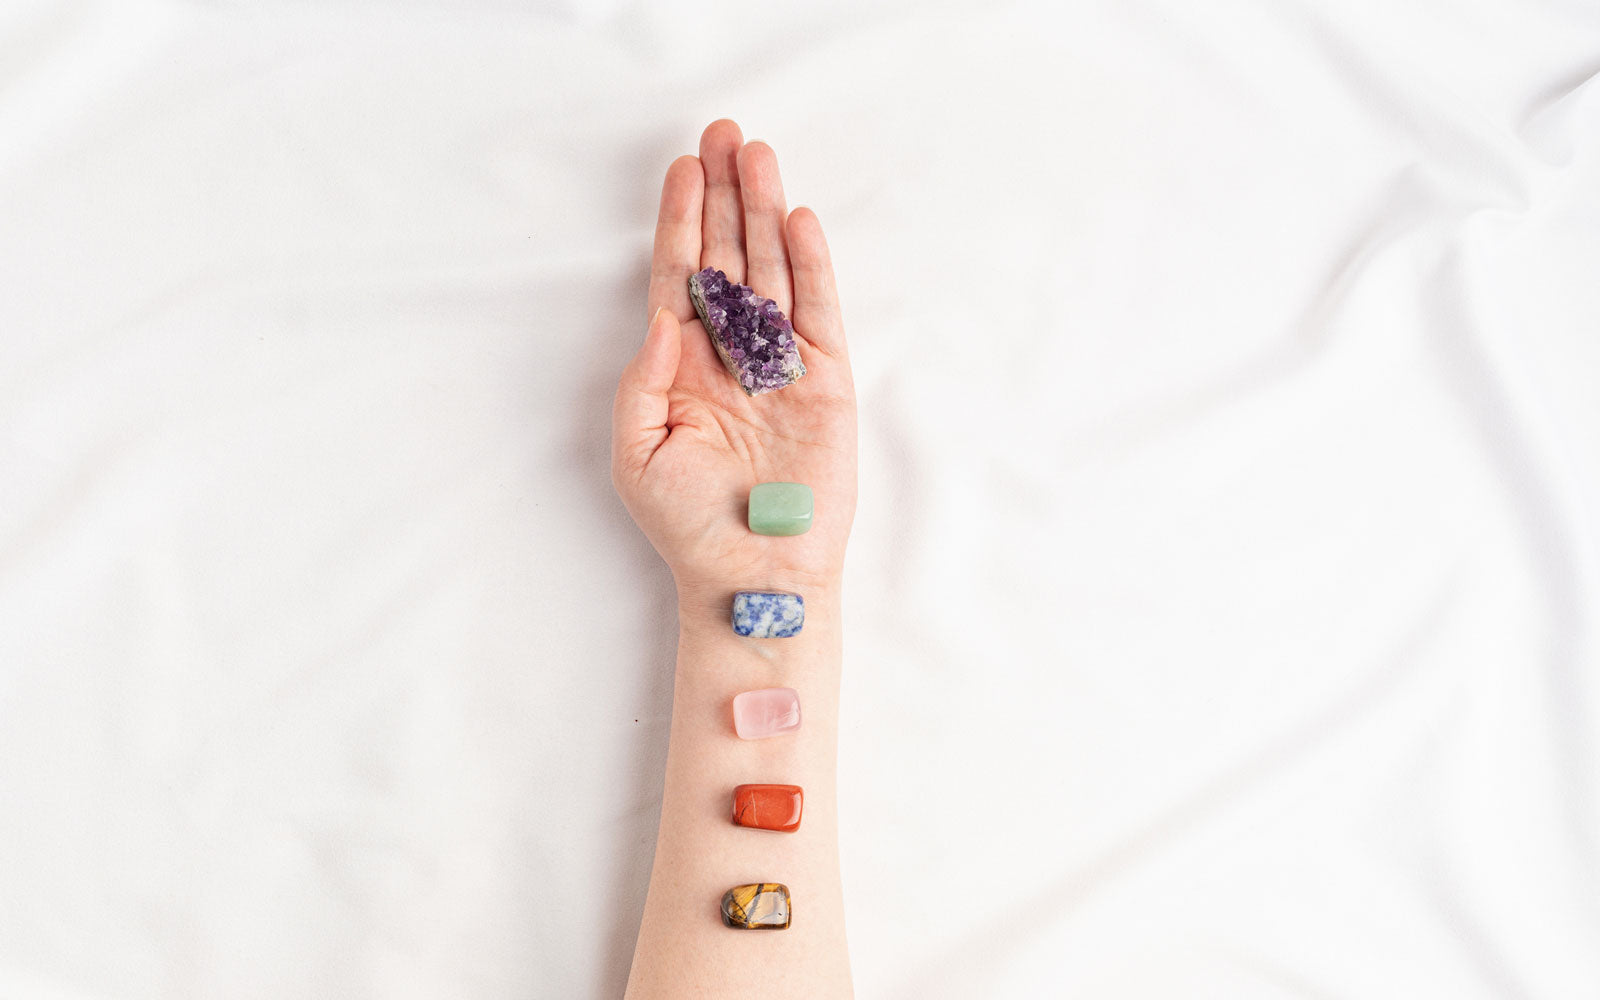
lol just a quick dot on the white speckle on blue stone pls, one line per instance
(768, 615)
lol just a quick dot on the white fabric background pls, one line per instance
(1222, 603)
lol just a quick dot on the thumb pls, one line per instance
(639, 413)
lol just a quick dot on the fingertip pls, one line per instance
(723, 131)
(756, 151)
(807, 244)
(669, 333)
(719, 152)
(656, 363)
(758, 176)
(721, 136)
(663, 329)
(685, 168)
(803, 215)
(681, 191)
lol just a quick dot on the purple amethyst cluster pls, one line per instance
(751, 335)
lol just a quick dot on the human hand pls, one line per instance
(687, 444)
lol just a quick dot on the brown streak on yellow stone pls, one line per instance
(757, 906)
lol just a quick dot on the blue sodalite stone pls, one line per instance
(766, 615)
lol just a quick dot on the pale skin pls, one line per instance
(687, 445)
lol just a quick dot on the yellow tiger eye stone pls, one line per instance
(762, 906)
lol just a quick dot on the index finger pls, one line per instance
(677, 247)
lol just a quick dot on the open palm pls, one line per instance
(687, 443)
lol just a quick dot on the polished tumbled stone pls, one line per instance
(780, 509)
(764, 614)
(758, 715)
(768, 807)
(751, 335)
(762, 906)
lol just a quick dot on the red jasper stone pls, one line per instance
(768, 807)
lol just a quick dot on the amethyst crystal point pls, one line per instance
(753, 338)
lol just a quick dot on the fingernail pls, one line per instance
(649, 327)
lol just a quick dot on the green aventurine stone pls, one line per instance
(780, 509)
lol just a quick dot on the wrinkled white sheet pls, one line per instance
(1223, 599)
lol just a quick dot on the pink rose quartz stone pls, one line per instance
(768, 712)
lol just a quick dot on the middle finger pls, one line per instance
(722, 243)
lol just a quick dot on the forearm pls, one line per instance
(683, 948)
